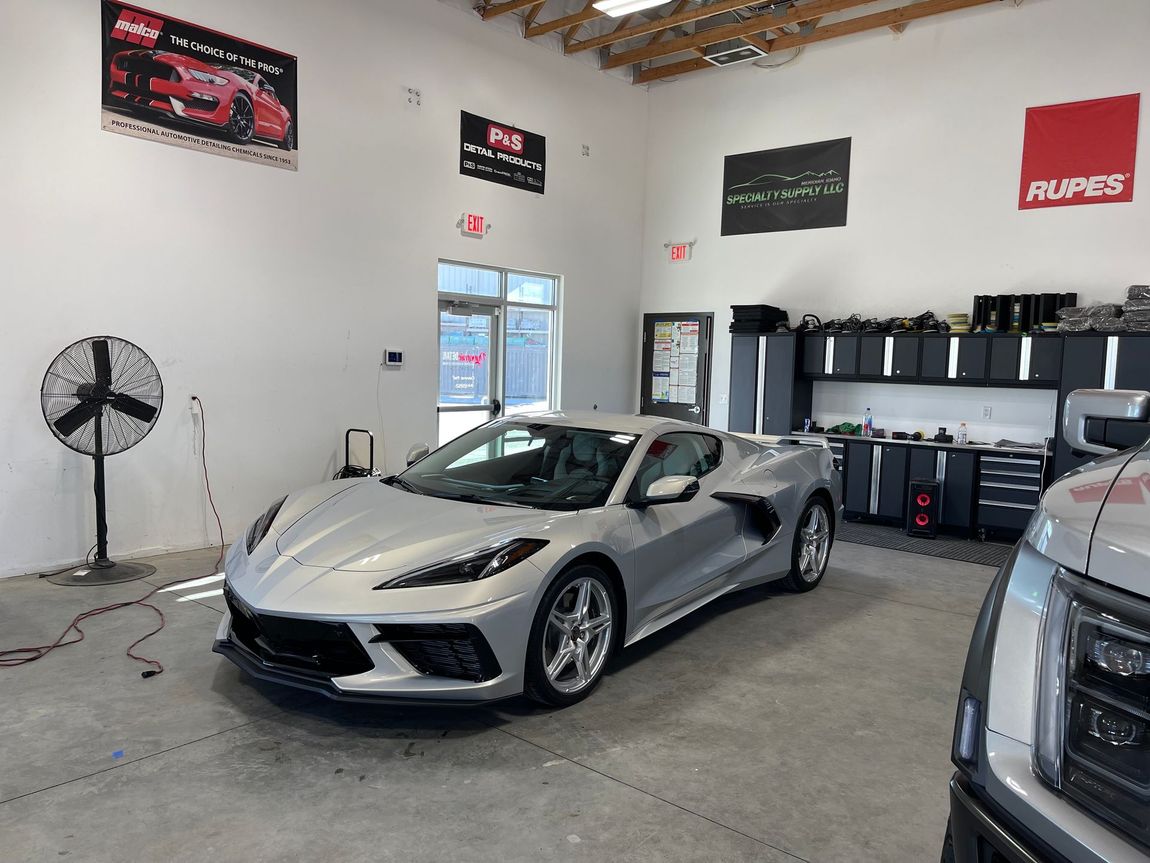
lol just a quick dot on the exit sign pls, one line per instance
(680, 252)
(473, 225)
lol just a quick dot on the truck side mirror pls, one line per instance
(1086, 419)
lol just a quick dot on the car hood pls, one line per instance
(372, 527)
(1095, 520)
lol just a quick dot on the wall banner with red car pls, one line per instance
(501, 153)
(178, 83)
(1079, 153)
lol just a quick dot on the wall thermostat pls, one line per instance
(393, 357)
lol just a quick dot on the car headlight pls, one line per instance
(207, 78)
(1092, 735)
(262, 525)
(469, 567)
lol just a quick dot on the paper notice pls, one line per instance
(660, 387)
(685, 395)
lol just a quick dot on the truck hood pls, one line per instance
(1096, 520)
(372, 527)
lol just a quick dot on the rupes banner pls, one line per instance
(501, 153)
(1079, 153)
(177, 83)
(788, 189)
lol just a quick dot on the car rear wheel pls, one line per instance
(572, 637)
(289, 138)
(241, 120)
(811, 548)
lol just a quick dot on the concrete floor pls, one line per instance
(767, 726)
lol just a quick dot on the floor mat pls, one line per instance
(882, 536)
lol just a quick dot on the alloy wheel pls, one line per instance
(578, 635)
(815, 544)
(242, 120)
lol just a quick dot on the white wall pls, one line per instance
(936, 116)
(279, 323)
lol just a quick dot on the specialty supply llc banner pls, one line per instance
(787, 189)
(173, 82)
(1079, 153)
(501, 154)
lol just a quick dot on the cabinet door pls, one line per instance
(1133, 369)
(972, 360)
(1045, 359)
(958, 490)
(857, 477)
(905, 357)
(1005, 355)
(846, 357)
(784, 397)
(892, 482)
(814, 355)
(872, 352)
(935, 352)
(744, 383)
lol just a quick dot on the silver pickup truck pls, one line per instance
(1052, 736)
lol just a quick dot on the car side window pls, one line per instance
(677, 454)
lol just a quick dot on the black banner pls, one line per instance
(788, 189)
(501, 154)
(178, 83)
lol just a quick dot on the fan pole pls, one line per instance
(101, 559)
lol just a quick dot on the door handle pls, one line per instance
(496, 407)
(694, 410)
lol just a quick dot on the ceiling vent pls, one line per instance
(731, 52)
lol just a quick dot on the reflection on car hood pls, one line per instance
(1095, 520)
(373, 527)
(1120, 549)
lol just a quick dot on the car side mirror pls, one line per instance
(417, 451)
(1086, 419)
(670, 489)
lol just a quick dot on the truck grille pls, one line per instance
(313, 647)
(456, 650)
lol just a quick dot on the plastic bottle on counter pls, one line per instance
(868, 424)
(961, 436)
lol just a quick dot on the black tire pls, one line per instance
(795, 579)
(288, 142)
(241, 120)
(537, 685)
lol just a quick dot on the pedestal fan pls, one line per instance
(101, 396)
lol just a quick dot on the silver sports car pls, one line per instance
(519, 557)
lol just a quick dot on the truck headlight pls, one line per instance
(1092, 737)
(262, 525)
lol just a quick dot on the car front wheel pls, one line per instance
(572, 637)
(241, 120)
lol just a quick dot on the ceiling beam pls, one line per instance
(679, 15)
(529, 18)
(498, 9)
(587, 14)
(664, 31)
(569, 33)
(793, 15)
(849, 27)
(757, 42)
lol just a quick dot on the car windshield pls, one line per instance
(521, 463)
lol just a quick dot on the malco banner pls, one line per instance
(788, 189)
(1079, 153)
(501, 154)
(177, 83)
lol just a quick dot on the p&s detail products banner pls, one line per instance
(1079, 153)
(177, 83)
(501, 154)
(788, 189)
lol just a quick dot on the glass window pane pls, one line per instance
(457, 279)
(464, 359)
(527, 382)
(530, 289)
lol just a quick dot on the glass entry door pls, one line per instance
(469, 379)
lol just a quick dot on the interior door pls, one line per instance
(676, 378)
(468, 367)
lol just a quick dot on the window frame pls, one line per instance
(634, 493)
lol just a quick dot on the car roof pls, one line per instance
(601, 421)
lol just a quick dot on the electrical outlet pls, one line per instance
(986, 411)
(722, 398)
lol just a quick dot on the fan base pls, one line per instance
(110, 573)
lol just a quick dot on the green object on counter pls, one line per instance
(846, 428)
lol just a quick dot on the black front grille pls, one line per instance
(456, 650)
(311, 646)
